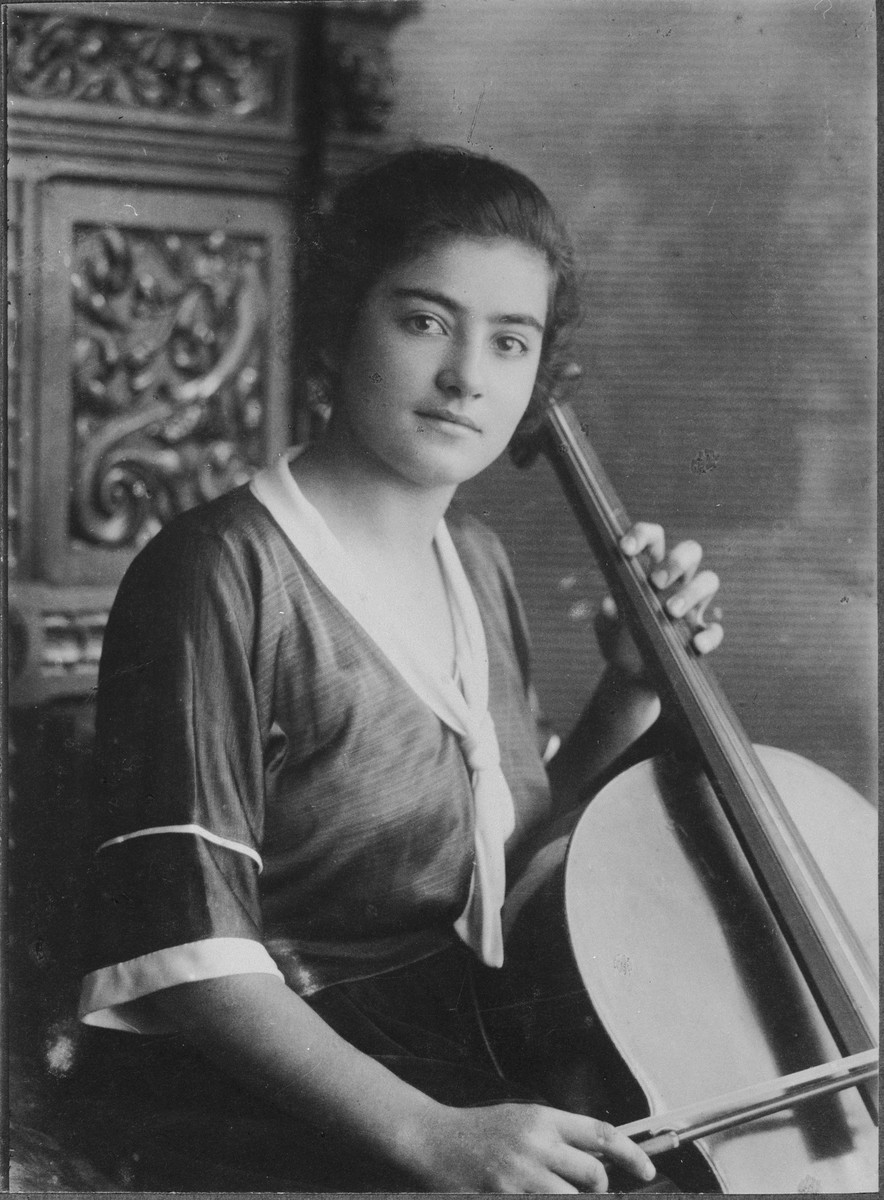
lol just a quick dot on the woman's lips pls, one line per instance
(449, 418)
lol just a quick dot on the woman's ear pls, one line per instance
(321, 384)
(313, 411)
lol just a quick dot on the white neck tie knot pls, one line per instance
(480, 747)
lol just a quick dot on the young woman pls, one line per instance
(317, 748)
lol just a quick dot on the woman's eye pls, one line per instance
(424, 323)
(508, 344)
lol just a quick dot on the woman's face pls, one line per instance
(442, 361)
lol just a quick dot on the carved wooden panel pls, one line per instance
(358, 78)
(168, 371)
(154, 154)
(160, 362)
(151, 58)
(356, 85)
(54, 638)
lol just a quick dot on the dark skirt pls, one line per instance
(165, 1119)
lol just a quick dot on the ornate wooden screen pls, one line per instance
(154, 155)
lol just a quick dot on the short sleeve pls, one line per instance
(179, 779)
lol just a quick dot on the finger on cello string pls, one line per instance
(692, 602)
(645, 536)
(690, 590)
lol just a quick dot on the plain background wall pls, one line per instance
(716, 162)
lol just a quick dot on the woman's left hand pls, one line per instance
(686, 592)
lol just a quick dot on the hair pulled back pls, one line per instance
(407, 205)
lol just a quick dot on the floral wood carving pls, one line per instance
(67, 57)
(71, 642)
(359, 71)
(168, 375)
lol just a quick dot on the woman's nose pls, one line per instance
(461, 373)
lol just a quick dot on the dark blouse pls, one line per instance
(300, 798)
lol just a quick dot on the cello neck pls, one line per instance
(832, 959)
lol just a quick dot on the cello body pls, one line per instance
(691, 977)
(719, 901)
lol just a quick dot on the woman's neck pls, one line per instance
(363, 508)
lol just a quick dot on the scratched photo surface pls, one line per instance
(716, 164)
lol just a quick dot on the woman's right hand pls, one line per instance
(268, 1038)
(522, 1148)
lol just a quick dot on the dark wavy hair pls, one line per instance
(399, 209)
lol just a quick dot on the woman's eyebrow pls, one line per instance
(404, 293)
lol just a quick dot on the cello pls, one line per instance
(719, 901)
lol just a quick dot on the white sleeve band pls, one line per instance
(196, 830)
(109, 997)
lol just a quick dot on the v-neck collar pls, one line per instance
(464, 708)
(308, 531)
